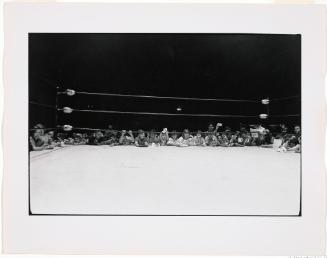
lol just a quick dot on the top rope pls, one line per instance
(155, 97)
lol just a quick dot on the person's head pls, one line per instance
(211, 128)
(51, 134)
(40, 126)
(38, 130)
(186, 134)
(37, 133)
(174, 135)
(98, 134)
(199, 134)
(284, 128)
(141, 134)
(297, 129)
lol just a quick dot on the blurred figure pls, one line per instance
(39, 140)
(110, 136)
(96, 138)
(154, 139)
(186, 139)
(236, 140)
(211, 140)
(163, 137)
(173, 140)
(126, 138)
(141, 140)
(292, 141)
(198, 140)
(212, 129)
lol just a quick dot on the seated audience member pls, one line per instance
(173, 140)
(96, 138)
(126, 138)
(283, 132)
(110, 136)
(223, 140)
(240, 138)
(228, 132)
(52, 140)
(212, 129)
(186, 139)
(297, 147)
(198, 140)
(211, 139)
(266, 139)
(219, 139)
(248, 140)
(79, 139)
(154, 139)
(141, 140)
(38, 140)
(164, 137)
(236, 140)
(292, 140)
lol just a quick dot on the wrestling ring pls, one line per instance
(193, 181)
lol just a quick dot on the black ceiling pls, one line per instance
(236, 66)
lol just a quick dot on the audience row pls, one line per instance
(41, 139)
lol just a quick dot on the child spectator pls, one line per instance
(240, 138)
(266, 139)
(97, 138)
(186, 139)
(173, 140)
(234, 141)
(297, 147)
(211, 140)
(38, 140)
(224, 141)
(198, 140)
(164, 137)
(141, 140)
(248, 140)
(212, 129)
(154, 138)
(293, 140)
(79, 139)
(110, 136)
(126, 138)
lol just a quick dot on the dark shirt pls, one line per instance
(141, 141)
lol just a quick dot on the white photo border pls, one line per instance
(223, 235)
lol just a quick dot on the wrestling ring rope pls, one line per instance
(71, 93)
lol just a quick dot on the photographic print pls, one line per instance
(164, 124)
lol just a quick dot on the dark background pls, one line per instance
(231, 66)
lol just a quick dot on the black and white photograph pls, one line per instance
(189, 124)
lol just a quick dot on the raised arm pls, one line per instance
(123, 132)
